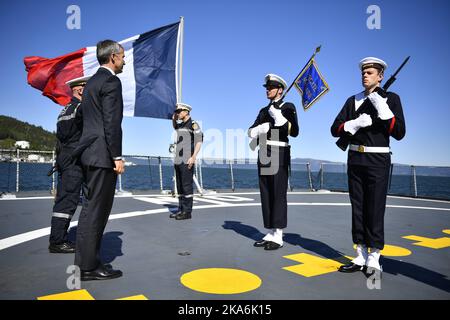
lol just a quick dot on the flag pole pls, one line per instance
(312, 57)
(180, 60)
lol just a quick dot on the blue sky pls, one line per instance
(230, 45)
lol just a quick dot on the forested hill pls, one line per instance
(12, 130)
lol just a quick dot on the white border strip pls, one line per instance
(232, 193)
(35, 234)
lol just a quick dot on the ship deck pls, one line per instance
(211, 256)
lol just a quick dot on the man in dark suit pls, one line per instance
(100, 147)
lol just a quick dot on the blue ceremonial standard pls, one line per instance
(311, 84)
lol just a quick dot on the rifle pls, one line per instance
(344, 141)
(52, 170)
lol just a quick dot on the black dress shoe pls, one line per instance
(65, 247)
(370, 272)
(174, 214)
(270, 245)
(260, 243)
(351, 267)
(183, 216)
(101, 273)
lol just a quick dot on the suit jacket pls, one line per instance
(102, 107)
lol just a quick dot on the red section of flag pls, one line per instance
(50, 75)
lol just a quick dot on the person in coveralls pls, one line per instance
(189, 142)
(70, 174)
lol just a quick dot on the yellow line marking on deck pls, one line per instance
(82, 294)
(138, 297)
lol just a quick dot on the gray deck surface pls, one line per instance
(146, 247)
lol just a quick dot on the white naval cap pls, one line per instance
(372, 62)
(274, 80)
(183, 106)
(80, 81)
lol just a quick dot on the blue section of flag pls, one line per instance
(311, 84)
(154, 58)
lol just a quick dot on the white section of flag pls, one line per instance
(90, 63)
(90, 66)
(127, 78)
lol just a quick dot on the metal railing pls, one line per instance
(26, 170)
(405, 180)
(21, 167)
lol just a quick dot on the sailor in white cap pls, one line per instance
(189, 142)
(369, 119)
(70, 175)
(78, 82)
(271, 129)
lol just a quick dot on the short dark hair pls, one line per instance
(105, 49)
(377, 66)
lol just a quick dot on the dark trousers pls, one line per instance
(185, 179)
(99, 196)
(368, 188)
(66, 202)
(273, 189)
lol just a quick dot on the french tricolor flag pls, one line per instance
(149, 79)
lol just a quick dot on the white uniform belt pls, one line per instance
(277, 143)
(364, 149)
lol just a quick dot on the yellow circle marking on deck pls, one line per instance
(393, 251)
(220, 281)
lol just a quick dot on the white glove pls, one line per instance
(277, 116)
(256, 131)
(384, 113)
(364, 120)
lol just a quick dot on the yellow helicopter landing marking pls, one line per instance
(438, 243)
(312, 265)
(393, 251)
(220, 281)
